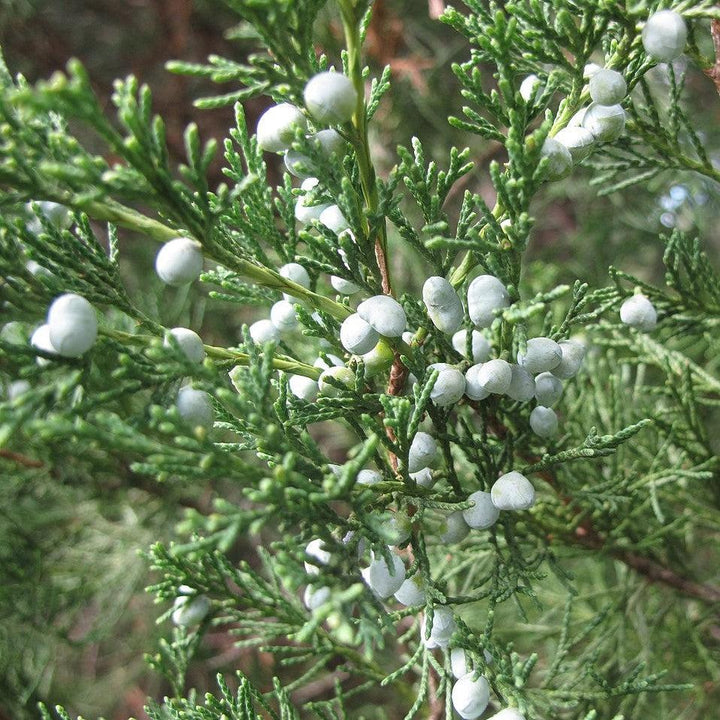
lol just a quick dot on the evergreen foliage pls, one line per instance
(570, 609)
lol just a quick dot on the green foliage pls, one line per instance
(286, 497)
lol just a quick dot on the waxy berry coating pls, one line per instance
(179, 262)
(330, 98)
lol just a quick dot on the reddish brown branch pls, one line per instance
(714, 72)
(437, 706)
(587, 536)
(396, 384)
(21, 459)
(653, 570)
(381, 259)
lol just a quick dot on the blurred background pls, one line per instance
(86, 650)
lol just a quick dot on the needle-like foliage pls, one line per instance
(286, 524)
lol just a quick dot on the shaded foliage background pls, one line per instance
(92, 661)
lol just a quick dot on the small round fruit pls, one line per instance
(330, 98)
(454, 528)
(449, 386)
(305, 213)
(422, 453)
(190, 610)
(264, 331)
(664, 36)
(40, 340)
(299, 165)
(590, 69)
(277, 126)
(607, 87)
(486, 295)
(541, 354)
(473, 388)
(343, 286)
(315, 597)
(522, 385)
(548, 389)
(577, 119)
(544, 421)
(332, 361)
(483, 514)
(72, 325)
(605, 122)
(512, 491)
(508, 714)
(369, 477)
(332, 218)
(330, 142)
(573, 353)
(190, 344)
(560, 160)
(295, 273)
(443, 626)
(316, 550)
(495, 376)
(459, 664)
(379, 359)
(480, 346)
(334, 376)
(17, 388)
(179, 262)
(578, 140)
(423, 477)
(531, 88)
(443, 304)
(195, 407)
(385, 314)
(470, 696)
(384, 580)
(282, 316)
(303, 387)
(639, 312)
(411, 592)
(357, 336)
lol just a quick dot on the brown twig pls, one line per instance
(437, 706)
(381, 259)
(653, 570)
(21, 459)
(714, 72)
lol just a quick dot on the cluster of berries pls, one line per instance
(71, 327)
(330, 99)
(547, 360)
(70, 330)
(471, 692)
(180, 262)
(664, 36)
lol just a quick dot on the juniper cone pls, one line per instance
(190, 343)
(605, 122)
(607, 87)
(578, 140)
(388, 388)
(454, 529)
